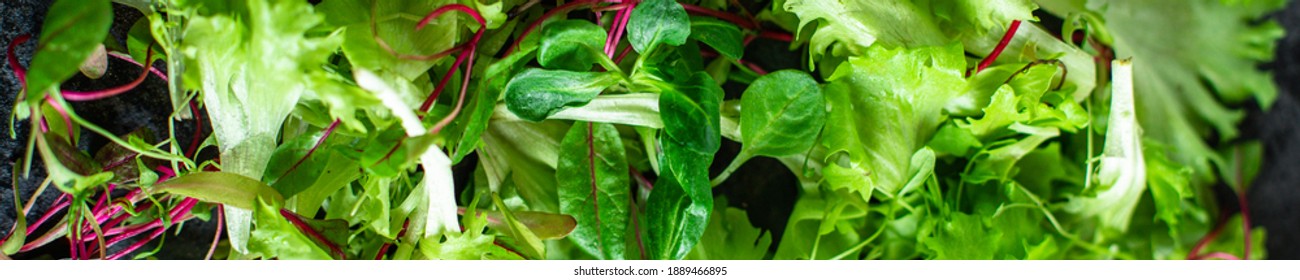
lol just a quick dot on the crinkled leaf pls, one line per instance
(885, 106)
(998, 163)
(251, 65)
(849, 27)
(276, 237)
(964, 237)
(962, 18)
(730, 236)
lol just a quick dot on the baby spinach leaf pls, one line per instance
(571, 45)
(722, 36)
(691, 113)
(536, 93)
(140, 39)
(593, 186)
(674, 221)
(655, 22)
(678, 208)
(781, 114)
(691, 116)
(70, 169)
(71, 32)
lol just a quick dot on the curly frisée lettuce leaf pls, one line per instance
(1180, 79)
(885, 106)
(251, 65)
(856, 25)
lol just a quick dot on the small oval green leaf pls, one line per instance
(674, 221)
(781, 114)
(723, 36)
(655, 22)
(571, 45)
(691, 113)
(537, 94)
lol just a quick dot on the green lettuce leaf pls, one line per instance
(251, 66)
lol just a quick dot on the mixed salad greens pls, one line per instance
(586, 129)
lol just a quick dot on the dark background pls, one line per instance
(1274, 197)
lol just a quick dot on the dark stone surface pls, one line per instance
(17, 18)
(147, 106)
(1275, 195)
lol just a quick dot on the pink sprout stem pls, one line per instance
(13, 59)
(623, 54)
(155, 71)
(96, 95)
(464, 87)
(466, 53)
(216, 238)
(1217, 255)
(59, 204)
(1002, 45)
(137, 244)
(743, 23)
(198, 131)
(442, 84)
(558, 10)
(619, 27)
